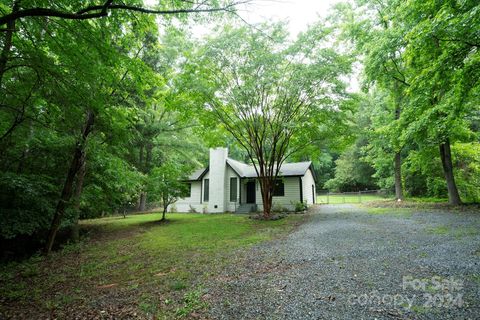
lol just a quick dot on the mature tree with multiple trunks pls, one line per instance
(272, 95)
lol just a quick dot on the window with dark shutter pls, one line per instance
(188, 191)
(206, 191)
(233, 189)
(279, 190)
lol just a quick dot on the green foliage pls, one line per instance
(352, 173)
(277, 98)
(126, 78)
(165, 183)
(111, 183)
(300, 206)
(26, 208)
(423, 174)
(420, 71)
(49, 87)
(467, 159)
(192, 302)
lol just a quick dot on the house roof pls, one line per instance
(286, 170)
(197, 174)
(247, 171)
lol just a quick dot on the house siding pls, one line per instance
(292, 194)
(307, 182)
(183, 204)
(296, 188)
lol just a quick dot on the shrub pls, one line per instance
(277, 207)
(300, 206)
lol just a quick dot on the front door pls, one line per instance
(251, 192)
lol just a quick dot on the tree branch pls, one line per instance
(98, 11)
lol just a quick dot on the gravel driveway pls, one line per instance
(349, 262)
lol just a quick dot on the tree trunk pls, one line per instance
(164, 212)
(68, 185)
(266, 198)
(142, 204)
(446, 156)
(7, 43)
(398, 177)
(75, 233)
(398, 157)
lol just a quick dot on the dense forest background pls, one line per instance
(102, 116)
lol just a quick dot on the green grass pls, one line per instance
(159, 266)
(349, 198)
(400, 212)
(440, 230)
(427, 200)
(365, 198)
(458, 232)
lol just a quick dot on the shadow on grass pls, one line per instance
(120, 227)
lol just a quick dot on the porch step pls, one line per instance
(246, 208)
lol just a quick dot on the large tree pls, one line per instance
(272, 95)
(71, 73)
(443, 56)
(79, 11)
(426, 58)
(379, 44)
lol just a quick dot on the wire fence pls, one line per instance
(327, 197)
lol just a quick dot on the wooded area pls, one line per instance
(105, 107)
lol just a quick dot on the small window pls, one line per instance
(187, 193)
(233, 189)
(279, 189)
(206, 191)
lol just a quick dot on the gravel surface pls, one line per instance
(347, 263)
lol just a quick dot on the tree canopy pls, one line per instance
(106, 106)
(272, 95)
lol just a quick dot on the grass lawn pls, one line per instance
(365, 198)
(349, 198)
(133, 267)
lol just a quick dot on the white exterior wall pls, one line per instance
(307, 183)
(217, 173)
(183, 204)
(292, 194)
(230, 205)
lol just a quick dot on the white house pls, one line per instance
(230, 185)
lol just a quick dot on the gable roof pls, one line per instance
(197, 174)
(286, 169)
(247, 171)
